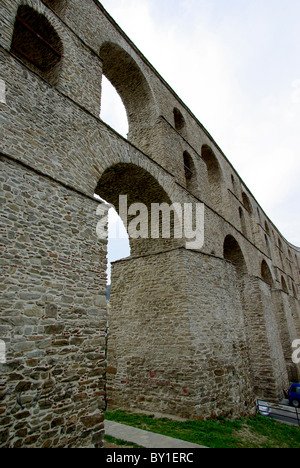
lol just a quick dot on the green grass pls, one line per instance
(120, 442)
(256, 432)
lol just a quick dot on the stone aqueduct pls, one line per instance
(193, 333)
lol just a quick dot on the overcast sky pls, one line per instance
(236, 65)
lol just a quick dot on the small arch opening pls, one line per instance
(214, 175)
(37, 44)
(247, 203)
(266, 273)
(179, 121)
(131, 85)
(268, 246)
(190, 172)
(243, 221)
(233, 253)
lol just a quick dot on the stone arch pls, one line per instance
(214, 176)
(247, 203)
(266, 273)
(233, 253)
(190, 172)
(179, 121)
(130, 83)
(142, 190)
(36, 42)
(268, 245)
(243, 221)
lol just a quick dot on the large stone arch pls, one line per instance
(36, 42)
(125, 75)
(137, 186)
(42, 9)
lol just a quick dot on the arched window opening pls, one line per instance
(247, 203)
(243, 222)
(118, 246)
(266, 273)
(112, 110)
(37, 44)
(268, 246)
(234, 254)
(284, 285)
(179, 121)
(131, 85)
(135, 194)
(214, 175)
(190, 172)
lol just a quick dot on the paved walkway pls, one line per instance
(144, 438)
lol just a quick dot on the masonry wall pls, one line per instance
(187, 356)
(189, 334)
(53, 314)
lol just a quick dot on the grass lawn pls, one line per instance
(256, 432)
